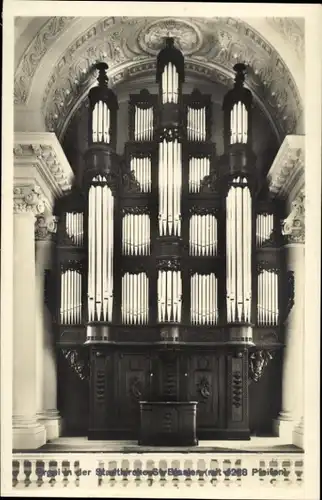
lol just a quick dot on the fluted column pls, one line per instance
(47, 412)
(42, 174)
(289, 424)
(28, 433)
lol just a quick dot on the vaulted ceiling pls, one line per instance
(54, 58)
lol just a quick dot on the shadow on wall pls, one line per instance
(73, 400)
(265, 397)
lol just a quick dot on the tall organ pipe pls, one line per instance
(170, 185)
(238, 124)
(170, 84)
(100, 248)
(238, 251)
(101, 123)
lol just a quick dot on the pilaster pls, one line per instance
(286, 178)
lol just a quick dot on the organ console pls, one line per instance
(168, 266)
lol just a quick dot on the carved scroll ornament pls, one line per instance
(258, 361)
(78, 362)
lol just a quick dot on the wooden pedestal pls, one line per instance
(168, 423)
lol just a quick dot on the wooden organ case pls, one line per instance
(169, 276)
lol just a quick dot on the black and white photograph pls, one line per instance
(163, 206)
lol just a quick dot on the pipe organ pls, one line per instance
(158, 254)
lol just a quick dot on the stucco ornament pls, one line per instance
(186, 36)
(28, 199)
(45, 227)
(294, 224)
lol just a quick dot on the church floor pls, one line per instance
(83, 445)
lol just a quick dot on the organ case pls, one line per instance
(162, 272)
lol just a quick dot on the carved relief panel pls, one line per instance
(203, 384)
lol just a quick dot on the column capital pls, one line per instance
(286, 175)
(294, 225)
(40, 159)
(28, 199)
(45, 227)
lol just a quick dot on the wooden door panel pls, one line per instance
(132, 386)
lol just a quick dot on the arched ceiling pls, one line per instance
(54, 57)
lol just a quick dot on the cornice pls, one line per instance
(39, 158)
(286, 175)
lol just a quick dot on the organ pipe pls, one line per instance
(238, 124)
(267, 300)
(169, 291)
(170, 185)
(100, 248)
(135, 299)
(71, 297)
(101, 123)
(198, 169)
(203, 299)
(75, 227)
(203, 235)
(170, 84)
(136, 234)
(196, 124)
(142, 171)
(238, 251)
(264, 228)
(143, 124)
